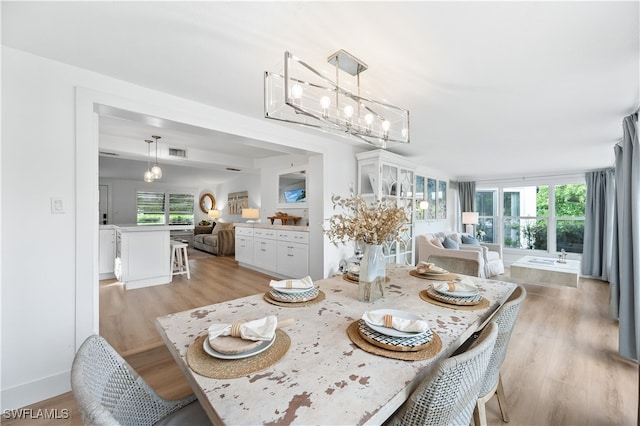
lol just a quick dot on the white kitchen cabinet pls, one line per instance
(264, 248)
(244, 245)
(107, 252)
(278, 250)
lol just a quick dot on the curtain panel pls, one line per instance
(598, 224)
(625, 261)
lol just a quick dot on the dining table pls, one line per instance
(323, 375)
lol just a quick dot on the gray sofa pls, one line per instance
(221, 241)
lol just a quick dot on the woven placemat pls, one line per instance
(273, 301)
(432, 349)
(427, 297)
(208, 366)
(447, 277)
(356, 281)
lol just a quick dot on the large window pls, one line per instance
(534, 217)
(159, 208)
(150, 208)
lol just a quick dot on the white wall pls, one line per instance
(240, 183)
(46, 143)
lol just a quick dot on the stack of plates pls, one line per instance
(294, 295)
(392, 339)
(227, 347)
(459, 297)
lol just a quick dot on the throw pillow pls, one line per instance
(455, 238)
(470, 240)
(436, 242)
(450, 244)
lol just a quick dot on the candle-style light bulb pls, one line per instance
(325, 102)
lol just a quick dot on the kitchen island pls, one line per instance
(143, 255)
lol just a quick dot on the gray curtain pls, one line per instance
(598, 224)
(625, 260)
(467, 192)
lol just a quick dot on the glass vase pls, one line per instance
(372, 274)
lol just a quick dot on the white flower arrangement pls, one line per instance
(480, 233)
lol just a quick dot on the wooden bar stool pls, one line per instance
(179, 259)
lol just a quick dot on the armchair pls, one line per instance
(484, 260)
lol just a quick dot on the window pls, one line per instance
(180, 209)
(150, 208)
(534, 217)
(159, 208)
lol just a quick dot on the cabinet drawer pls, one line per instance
(265, 233)
(294, 236)
(245, 232)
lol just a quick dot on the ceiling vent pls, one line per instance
(175, 152)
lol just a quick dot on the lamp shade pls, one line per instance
(250, 213)
(214, 214)
(470, 218)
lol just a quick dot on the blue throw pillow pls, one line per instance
(448, 243)
(470, 240)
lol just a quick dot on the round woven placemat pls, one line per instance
(427, 297)
(208, 366)
(355, 281)
(447, 277)
(432, 348)
(395, 348)
(273, 301)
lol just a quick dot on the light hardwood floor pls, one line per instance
(562, 366)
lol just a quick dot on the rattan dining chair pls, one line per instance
(449, 392)
(505, 319)
(109, 392)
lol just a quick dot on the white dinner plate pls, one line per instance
(458, 293)
(392, 331)
(435, 274)
(255, 351)
(291, 290)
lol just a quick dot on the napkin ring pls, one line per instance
(452, 286)
(235, 328)
(289, 284)
(388, 321)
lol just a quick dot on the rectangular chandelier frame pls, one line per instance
(301, 95)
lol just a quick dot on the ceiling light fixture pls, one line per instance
(302, 95)
(156, 170)
(148, 175)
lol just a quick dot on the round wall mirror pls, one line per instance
(207, 202)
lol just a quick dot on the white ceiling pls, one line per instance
(495, 89)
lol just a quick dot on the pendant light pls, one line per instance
(148, 175)
(156, 170)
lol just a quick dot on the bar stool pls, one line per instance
(179, 259)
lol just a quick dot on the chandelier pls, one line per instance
(156, 170)
(302, 95)
(148, 174)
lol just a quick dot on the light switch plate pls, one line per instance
(57, 205)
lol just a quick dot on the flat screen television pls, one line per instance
(295, 196)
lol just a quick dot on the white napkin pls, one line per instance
(425, 268)
(464, 285)
(400, 324)
(305, 282)
(259, 329)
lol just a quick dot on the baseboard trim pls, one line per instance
(36, 391)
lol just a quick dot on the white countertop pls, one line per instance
(147, 228)
(270, 226)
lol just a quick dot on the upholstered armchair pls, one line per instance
(483, 260)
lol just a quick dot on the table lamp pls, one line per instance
(469, 219)
(250, 214)
(214, 214)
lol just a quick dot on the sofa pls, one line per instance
(479, 259)
(220, 241)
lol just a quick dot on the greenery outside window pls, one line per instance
(160, 208)
(150, 208)
(570, 201)
(181, 209)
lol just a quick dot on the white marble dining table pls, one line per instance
(324, 378)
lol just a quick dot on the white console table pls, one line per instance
(278, 250)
